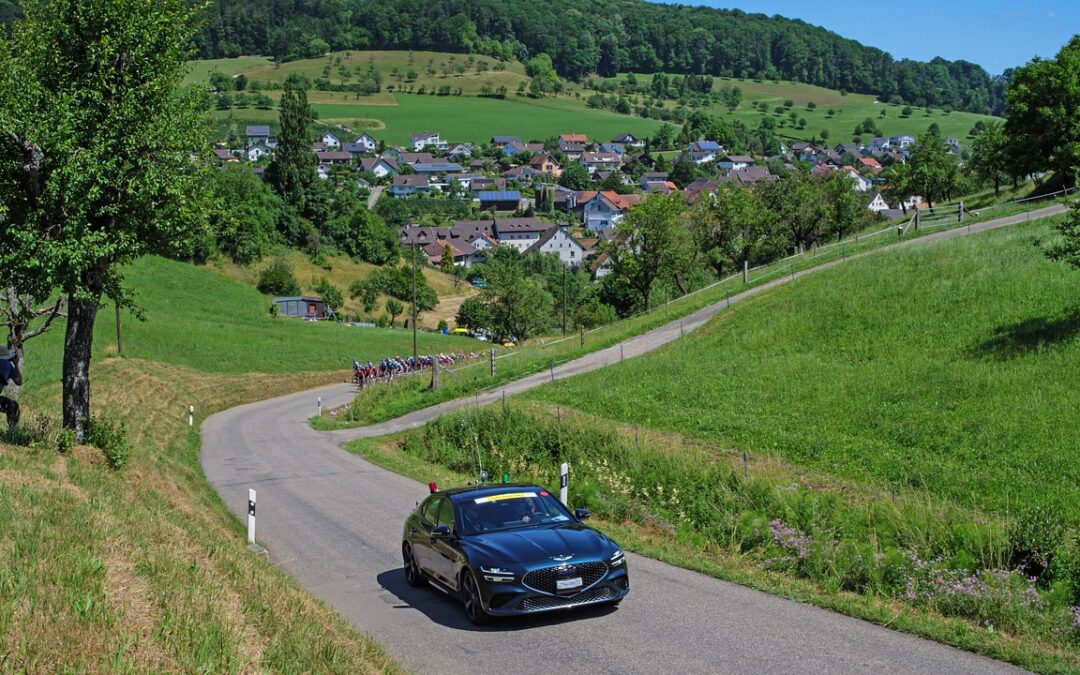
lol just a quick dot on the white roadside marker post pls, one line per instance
(564, 476)
(318, 403)
(251, 516)
(191, 415)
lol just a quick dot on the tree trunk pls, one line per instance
(78, 341)
(997, 186)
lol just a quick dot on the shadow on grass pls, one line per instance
(1029, 336)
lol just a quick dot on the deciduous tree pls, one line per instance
(652, 242)
(990, 154)
(1042, 115)
(102, 157)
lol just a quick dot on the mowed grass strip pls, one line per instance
(466, 118)
(949, 368)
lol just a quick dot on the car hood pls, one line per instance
(533, 545)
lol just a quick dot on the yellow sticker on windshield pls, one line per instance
(507, 495)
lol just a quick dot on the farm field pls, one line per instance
(457, 118)
(432, 69)
(463, 118)
(947, 369)
(848, 111)
(393, 116)
(841, 125)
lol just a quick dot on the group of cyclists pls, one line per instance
(389, 368)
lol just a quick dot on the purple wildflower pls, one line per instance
(790, 539)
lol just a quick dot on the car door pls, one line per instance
(420, 533)
(444, 550)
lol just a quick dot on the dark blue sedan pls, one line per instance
(510, 549)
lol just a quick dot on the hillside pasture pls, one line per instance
(464, 118)
(947, 368)
(193, 317)
(432, 69)
(392, 116)
(343, 272)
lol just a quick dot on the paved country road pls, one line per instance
(333, 522)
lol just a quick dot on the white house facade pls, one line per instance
(559, 241)
(600, 213)
(878, 204)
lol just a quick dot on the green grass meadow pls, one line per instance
(143, 569)
(393, 116)
(948, 368)
(196, 318)
(848, 110)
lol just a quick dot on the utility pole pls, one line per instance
(414, 254)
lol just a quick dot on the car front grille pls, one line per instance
(544, 580)
(539, 603)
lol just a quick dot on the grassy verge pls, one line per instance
(890, 559)
(378, 404)
(947, 368)
(144, 569)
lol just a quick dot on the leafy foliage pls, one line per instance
(651, 243)
(1067, 249)
(244, 215)
(292, 171)
(278, 279)
(330, 294)
(101, 159)
(578, 37)
(1043, 113)
(472, 314)
(517, 304)
(371, 239)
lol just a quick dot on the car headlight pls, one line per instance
(495, 570)
(497, 574)
(618, 558)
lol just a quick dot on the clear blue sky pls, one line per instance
(996, 34)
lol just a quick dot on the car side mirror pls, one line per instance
(582, 514)
(441, 531)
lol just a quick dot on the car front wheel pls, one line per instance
(470, 595)
(413, 576)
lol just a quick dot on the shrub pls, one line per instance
(383, 321)
(443, 325)
(1034, 535)
(278, 279)
(110, 436)
(65, 440)
(1064, 568)
(330, 294)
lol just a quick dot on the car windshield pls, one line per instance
(511, 510)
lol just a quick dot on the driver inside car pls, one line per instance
(470, 517)
(527, 511)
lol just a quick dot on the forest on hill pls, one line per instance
(601, 36)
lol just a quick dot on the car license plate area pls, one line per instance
(567, 584)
